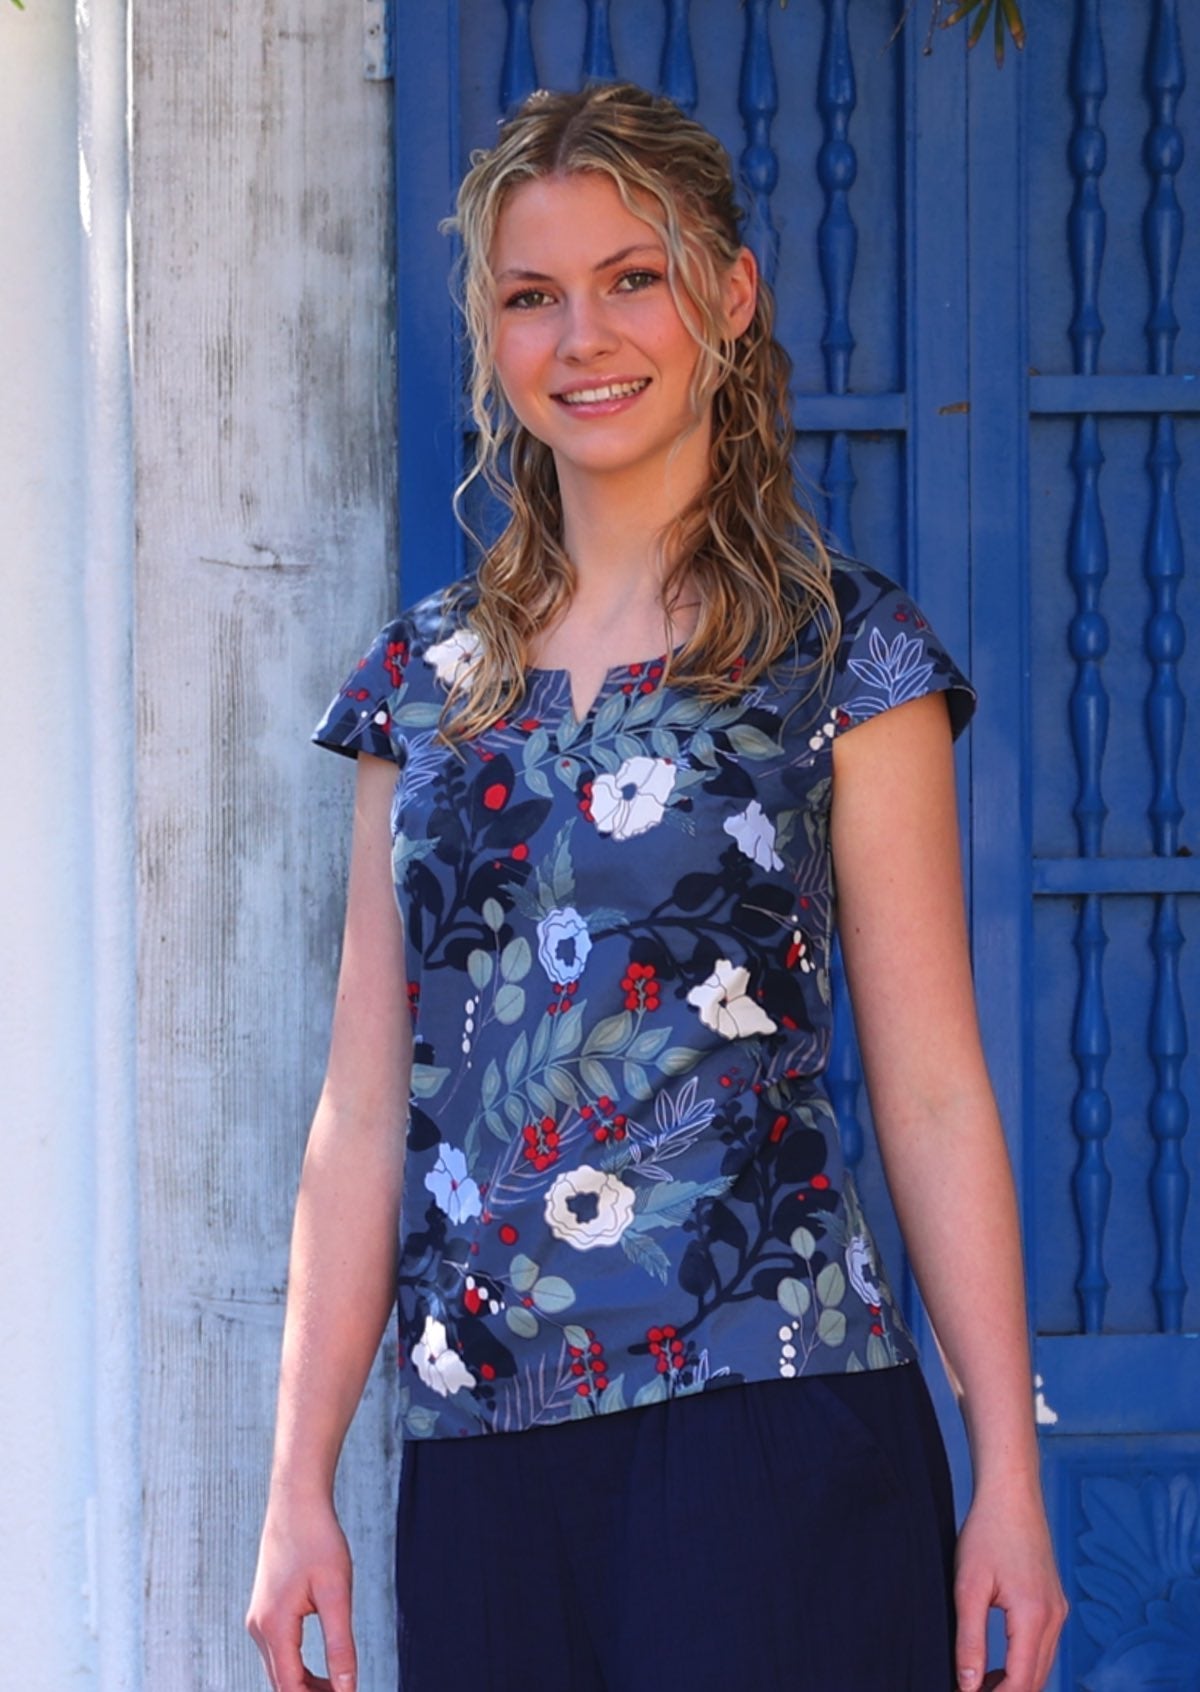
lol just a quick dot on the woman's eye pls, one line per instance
(526, 300)
(633, 281)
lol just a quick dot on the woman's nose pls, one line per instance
(586, 330)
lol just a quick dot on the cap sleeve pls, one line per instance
(359, 718)
(889, 653)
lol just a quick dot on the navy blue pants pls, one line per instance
(782, 1536)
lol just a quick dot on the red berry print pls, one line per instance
(641, 987)
(508, 1234)
(541, 1143)
(820, 1182)
(520, 851)
(495, 796)
(394, 661)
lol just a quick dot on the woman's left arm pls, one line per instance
(904, 941)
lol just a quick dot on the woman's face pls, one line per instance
(589, 346)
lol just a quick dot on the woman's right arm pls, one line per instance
(341, 1277)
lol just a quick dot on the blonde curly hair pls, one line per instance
(746, 545)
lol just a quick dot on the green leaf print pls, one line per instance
(418, 715)
(750, 742)
(535, 749)
(561, 1083)
(567, 770)
(496, 1126)
(522, 1322)
(831, 1284)
(509, 1005)
(538, 782)
(794, 1296)
(516, 960)
(653, 1392)
(677, 1060)
(878, 1352)
(576, 1336)
(568, 1031)
(637, 1082)
(552, 1294)
(493, 914)
(514, 1063)
(426, 1080)
(831, 1327)
(480, 965)
(523, 1272)
(541, 1098)
(609, 716)
(613, 1396)
(648, 1044)
(609, 1034)
(490, 1090)
(803, 1242)
(595, 1077)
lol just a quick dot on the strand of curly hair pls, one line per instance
(746, 546)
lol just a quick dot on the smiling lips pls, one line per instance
(605, 394)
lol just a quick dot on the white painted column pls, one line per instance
(69, 1581)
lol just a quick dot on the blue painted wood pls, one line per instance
(1165, 705)
(677, 70)
(1119, 1383)
(1091, 1044)
(1066, 395)
(758, 101)
(985, 271)
(518, 74)
(429, 443)
(598, 62)
(1116, 875)
(837, 167)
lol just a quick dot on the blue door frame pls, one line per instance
(988, 281)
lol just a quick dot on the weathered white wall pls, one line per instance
(263, 417)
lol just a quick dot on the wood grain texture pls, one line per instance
(264, 425)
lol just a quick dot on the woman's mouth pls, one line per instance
(606, 395)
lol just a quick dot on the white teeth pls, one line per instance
(613, 390)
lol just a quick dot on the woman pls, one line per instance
(633, 750)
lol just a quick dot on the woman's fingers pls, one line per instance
(333, 1608)
(971, 1599)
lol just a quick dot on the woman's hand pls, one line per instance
(303, 1570)
(1005, 1560)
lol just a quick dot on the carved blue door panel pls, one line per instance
(988, 284)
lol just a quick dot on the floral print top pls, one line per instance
(623, 1180)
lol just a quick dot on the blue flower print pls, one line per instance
(455, 1191)
(563, 944)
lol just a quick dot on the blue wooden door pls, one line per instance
(997, 407)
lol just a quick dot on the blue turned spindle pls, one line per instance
(758, 101)
(1087, 566)
(598, 62)
(837, 167)
(518, 74)
(837, 248)
(1162, 233)
(677, 73)
(1091, 1113)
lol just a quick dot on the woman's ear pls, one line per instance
(741, 292)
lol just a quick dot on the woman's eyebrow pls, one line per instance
(515, 275)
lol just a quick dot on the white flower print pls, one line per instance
(453, 657)
(588, 1207)
(441, 1369)
(563, 944)
(634, 798)
(724, 1005)
(755, 834)
(860, 1267)
(455, 1191)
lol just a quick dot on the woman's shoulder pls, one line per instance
(439, 616)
